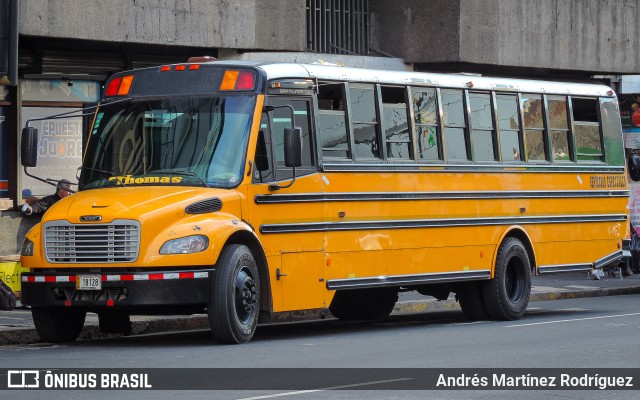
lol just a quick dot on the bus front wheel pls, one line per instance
(58, 325)
(235, 296)
(506, 296)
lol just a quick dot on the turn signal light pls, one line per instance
(125, 85)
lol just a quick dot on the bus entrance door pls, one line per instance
(284, 218)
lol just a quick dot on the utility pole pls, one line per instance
(8, 42)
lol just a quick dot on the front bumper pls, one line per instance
(119, 290)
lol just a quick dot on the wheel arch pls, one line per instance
(519, 233)
(248, 239)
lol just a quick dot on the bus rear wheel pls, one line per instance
(58, 325)
(471, 301)
(235, 296)
(506, 296)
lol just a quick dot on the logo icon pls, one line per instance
(91, 218)
(23, 379)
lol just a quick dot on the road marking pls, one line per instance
(270, 396)
(571, 320)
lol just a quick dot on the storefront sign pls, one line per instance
(59, 140)
(10, 273)
(630, 119)
(59, 149)
(630, 111)
(60, 90)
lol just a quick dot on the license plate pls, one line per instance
(88, 282)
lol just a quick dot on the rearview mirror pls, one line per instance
(293, 146)
(29, 149)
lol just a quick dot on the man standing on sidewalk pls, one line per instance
(39, 207)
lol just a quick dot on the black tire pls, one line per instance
(342, 306)
(506, 296)
(369, 304)
(58, 325)
(112, 321)
(379, 303)
(235, 297)
(471, 301)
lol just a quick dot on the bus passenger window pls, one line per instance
(396, 123)
(559, 133)
(482, 125)
(509, 124)
(332, 122)
(533, 127)
(455, 125)
(364, 121)
(425, 115)
(587, 129)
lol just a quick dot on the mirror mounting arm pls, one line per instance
(275, 186)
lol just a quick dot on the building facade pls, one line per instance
(68, 48)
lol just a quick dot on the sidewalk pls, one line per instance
(16, 327)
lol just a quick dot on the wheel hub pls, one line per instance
(245, 295)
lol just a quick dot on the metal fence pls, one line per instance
(338, 26)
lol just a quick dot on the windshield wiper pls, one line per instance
(105, 172)
(175, 171)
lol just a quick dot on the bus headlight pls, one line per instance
(27, 248)
(185, 245)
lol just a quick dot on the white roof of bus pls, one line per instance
(329, 72)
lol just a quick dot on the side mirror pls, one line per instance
(29, 150)
(293, 146)
(634, 167)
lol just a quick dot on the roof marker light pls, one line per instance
(194, 66)
(165, 68)
(181, 67)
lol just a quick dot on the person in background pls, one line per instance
(39, 207)
(635, 251)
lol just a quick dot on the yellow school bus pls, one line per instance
(264, 192)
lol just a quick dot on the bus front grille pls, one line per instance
(117, 242)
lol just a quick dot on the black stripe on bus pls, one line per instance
(435, 223)
(476, 168)
(378, 196)
(406, 280)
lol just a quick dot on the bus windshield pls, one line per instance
(190, 141)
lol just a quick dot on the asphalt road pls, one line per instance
(601, 332)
